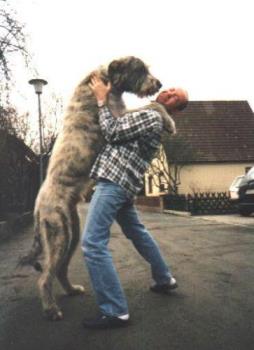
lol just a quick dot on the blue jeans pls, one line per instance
(110, 202)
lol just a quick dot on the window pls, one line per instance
(247, 168)
(150, 184)
(161, 184)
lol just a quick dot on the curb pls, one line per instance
(177, 213)
(10, 228)
(148, 208)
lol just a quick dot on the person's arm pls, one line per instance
(130, 126)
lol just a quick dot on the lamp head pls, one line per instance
(38, 84)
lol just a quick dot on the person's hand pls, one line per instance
(99, 89)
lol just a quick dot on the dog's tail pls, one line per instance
(31, 259)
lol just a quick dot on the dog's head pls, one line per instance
(130, 74)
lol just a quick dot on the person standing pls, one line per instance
(131, 143)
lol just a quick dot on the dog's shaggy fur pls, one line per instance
(55, 215)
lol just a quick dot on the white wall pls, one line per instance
(210, 177)
(206, 178)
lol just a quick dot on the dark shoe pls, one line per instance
(105, 322)
(164, 288)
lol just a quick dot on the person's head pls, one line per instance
(173, 99)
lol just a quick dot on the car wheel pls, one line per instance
(245, 212)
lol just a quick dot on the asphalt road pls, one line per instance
(213, 308)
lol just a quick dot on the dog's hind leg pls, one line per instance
(56, 240)
(62, 273)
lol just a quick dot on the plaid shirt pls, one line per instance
(132, 141)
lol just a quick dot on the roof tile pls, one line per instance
(221, 131)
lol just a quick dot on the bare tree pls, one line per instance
(25, 127)
(14, 123)
(12, 47)
(51, 122)
(165, 169)
(5, 123)
(12, 41)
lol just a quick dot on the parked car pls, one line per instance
(246, 194)
(233, 189)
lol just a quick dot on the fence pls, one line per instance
(201, 203)
(19, 177)
(18, 192)
(175, 202)
(148, 201)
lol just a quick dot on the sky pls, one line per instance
(205, 46)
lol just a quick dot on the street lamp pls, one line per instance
(38, 85)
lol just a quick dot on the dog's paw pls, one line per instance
(53, 314)
(76, 290)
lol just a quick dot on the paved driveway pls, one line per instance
(233, 219)
(212, 309)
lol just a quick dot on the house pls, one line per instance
(19, 175)
(221, 135)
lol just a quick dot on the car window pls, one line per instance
(250, 174)
(237, 181)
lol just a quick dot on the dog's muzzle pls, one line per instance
(158, 84)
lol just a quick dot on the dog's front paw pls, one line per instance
(53, 314)
(76, 290)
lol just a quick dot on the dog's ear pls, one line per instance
(114, 67)
(116, 71)
(104, 76)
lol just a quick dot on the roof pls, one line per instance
(18, 145)
(218, 131)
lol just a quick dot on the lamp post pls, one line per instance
(38, 85)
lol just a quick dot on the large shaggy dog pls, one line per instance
(55, 215)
